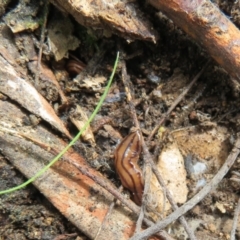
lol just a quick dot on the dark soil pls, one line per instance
(158, 74)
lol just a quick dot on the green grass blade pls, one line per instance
(74, 139)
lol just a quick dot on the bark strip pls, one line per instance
(208, 26)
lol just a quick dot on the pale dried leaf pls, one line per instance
(60, 37)
(93, 84)
(171, 167)
(79, 118)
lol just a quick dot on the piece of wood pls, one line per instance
(209, 27)
(77, 197)
(121, 17)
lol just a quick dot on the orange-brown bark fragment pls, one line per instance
(208, 26)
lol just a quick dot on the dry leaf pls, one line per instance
(92, 84)
(171, 167)
(79, 118)
(60, 37)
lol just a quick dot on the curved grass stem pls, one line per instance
(74, 139)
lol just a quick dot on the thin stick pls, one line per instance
(105, 184)
(41, 44)
(196, 199)
(148, 161)
(147, 168)
(107, 216)
(235, 220)
(177, 101)
(172, 202)
(140, 219)
(86, 170)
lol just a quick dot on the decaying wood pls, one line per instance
(201, 19)
(18, 89)
(80, 196)
(76, 196)
(76, 190)
(208, 26)
(121, 17)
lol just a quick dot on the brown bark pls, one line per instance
(75, 195)
(120, 17)
(208, 26)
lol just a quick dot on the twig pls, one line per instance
(46, 8)
(188, 108)
(147, 168)
(197, 198)
(235, 220)
(172, 202)
(103, 183)
(148, 161)
(177, 101)
(107, 216)
(86, 170)
(140, 219)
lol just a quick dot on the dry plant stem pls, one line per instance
(147, 168)
(41, 43)
(116, 194)
(177, 101)
(65, 236)
(235, 220)
(140, 219)
(148, 161)
(197, 198)
(147, 174)
(208, 26)
(84, 169)
(105, 219)
(107, 215)
(172, 202)
(188, 108)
